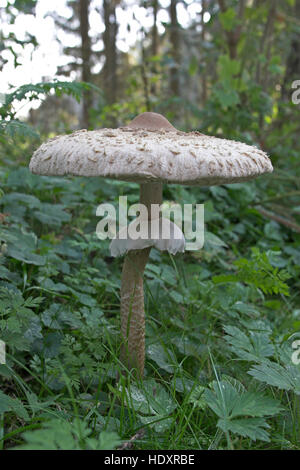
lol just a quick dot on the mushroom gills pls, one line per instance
(158, 233)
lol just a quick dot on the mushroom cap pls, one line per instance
(150, 149)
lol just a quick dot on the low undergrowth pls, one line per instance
(221, 371)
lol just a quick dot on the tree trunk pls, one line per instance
(293, 61)
(203, 38)
(175, 49)
(265, 46)
(233, 36)
(86, 59)
(110, 50)
(154, 44)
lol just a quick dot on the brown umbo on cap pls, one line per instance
(149, 150)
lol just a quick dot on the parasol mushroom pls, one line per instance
(149, 151)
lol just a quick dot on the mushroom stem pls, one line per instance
(132, 292)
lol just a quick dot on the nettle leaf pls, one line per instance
(242, 194)
(239, 387)
(48, 284)
(159, 422)
(65, 249)
(84, 299)
(229, 403)
(52, 214)
(14, 199)
(6, 274)
(22, 178)
(21, 245)
(28, 258)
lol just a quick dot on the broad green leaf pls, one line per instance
(254, 404)
(228, 403)
(153, 402)
(250, 427)
(163, 358)
(253, 347)
(285, 378)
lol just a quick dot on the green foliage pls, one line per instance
(283, 377)
(15, 127)
(33, 92)
(62, 435)
(19, 325)
(8, 404)
(250, 347)
(59, 318)
(230, 405)
(258, 272)
(229, 19)
(272, 363)
(24, 6)
(11, 126)
(153, 404)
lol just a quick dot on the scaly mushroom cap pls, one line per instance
(150, 149)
